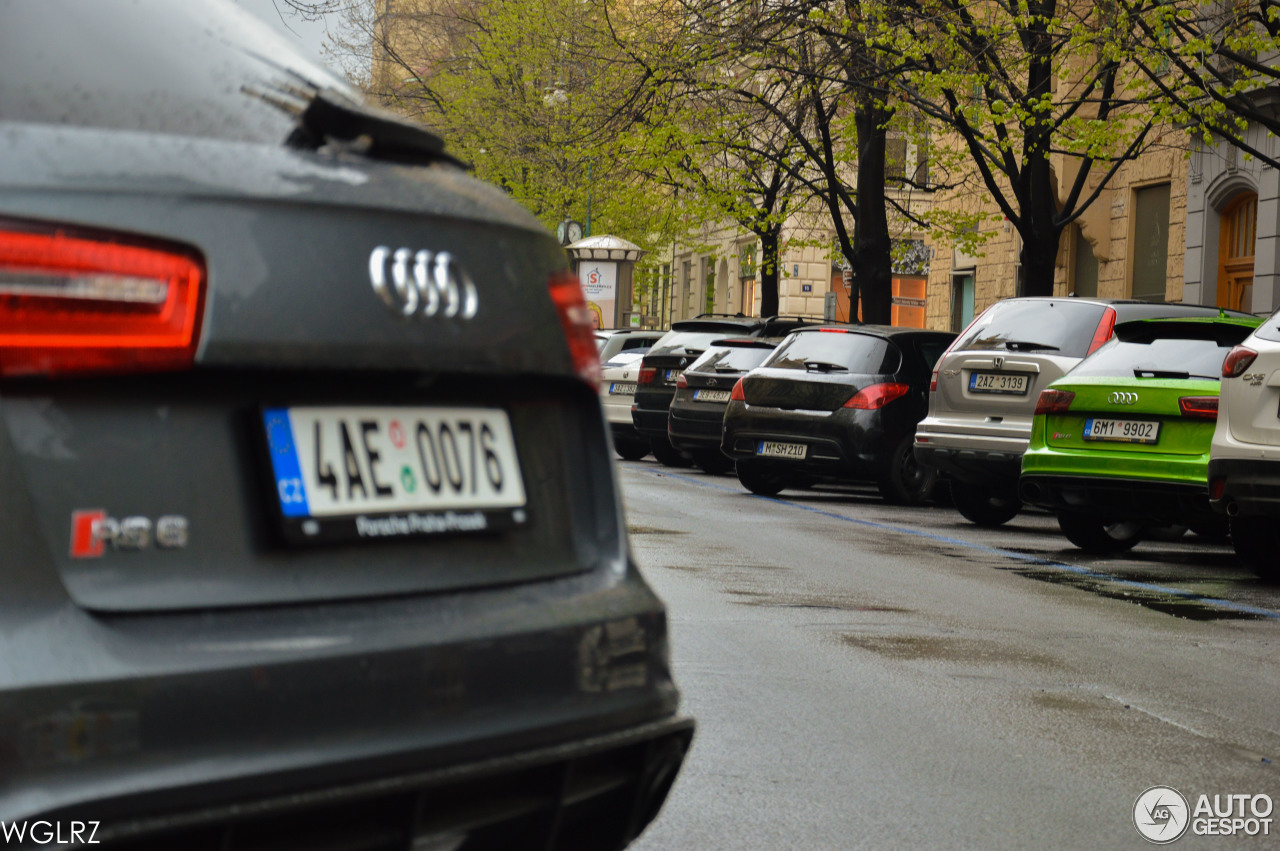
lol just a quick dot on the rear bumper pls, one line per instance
(650, 422)
(595, 792)
(197, 720)
(695, 427)
(978, 467)
(1118, 498)
(841, 444)
(1252, 485)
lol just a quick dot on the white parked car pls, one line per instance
(617, 393)
(1244, 461)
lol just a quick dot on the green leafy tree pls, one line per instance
(1034, 95)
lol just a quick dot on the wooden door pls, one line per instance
(1237, 231)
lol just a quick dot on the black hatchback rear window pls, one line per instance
(731, 359)
(821, 351)
(1045, 326)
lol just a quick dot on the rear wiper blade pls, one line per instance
(330, 116)
(1026, 346)
(1140, 372)
(824, 366)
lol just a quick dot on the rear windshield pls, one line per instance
(625, 343)
(1046, 326)
(1270, 329)
(1163, 358)
(183, 68)
(692, 342)
(836, 352)
(731, 359)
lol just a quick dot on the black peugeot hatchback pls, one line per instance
(670, 356)
(836, 404)
(309, 531)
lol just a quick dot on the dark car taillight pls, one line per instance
(1106, 326)
(647, 375)
(1237, 361)
(1199, 407)
(682, 383)
(738, 394)
(1054, 402)
(75, 304)
(877, 396)
(579, 332)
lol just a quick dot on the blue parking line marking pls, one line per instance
(996, 551)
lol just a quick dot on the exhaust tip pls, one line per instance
(1030, 492)
(1233, 510)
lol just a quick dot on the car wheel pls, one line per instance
(907, 481)
(1254, 541)
(1095, 535)
(667, 454)
(631, 450)
(712, 461)
(984, 504)
(760, 481)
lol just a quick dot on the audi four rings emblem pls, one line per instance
(1123, 398)
(422, 283)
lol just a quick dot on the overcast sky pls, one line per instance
(308, 36)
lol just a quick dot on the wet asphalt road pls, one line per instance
(869, 676)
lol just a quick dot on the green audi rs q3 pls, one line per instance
(1121, 442)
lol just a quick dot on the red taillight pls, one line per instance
(579, 331)
(738, 394)
(682, 382)
(1106, 325)
(1237, 361)
(1054, 402)
(647, 375)
(72, 304)
(1217, 487)
(1199, 407)
(877, 396)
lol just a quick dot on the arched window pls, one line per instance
(1237, 231)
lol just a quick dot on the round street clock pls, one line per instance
(569, 232)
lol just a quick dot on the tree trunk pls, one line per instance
(768, 273)
(873, 256)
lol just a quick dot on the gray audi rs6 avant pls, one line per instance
(309, 535)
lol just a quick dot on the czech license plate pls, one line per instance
(711, 395)
(1015, 383)
(1122, 431)
(781, 450)
(388, 472)
(671, 375)
(622, 388)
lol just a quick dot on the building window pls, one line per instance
(961, 301)
(1084, 266)
(747, 260)
(1150, 243)
(895, 160)
(708, 285)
